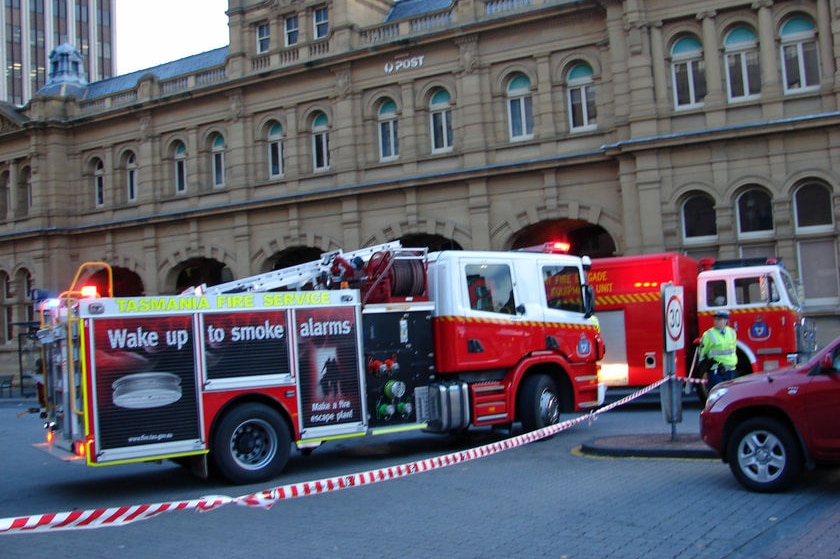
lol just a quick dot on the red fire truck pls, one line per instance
(760, 295)
(373, 341)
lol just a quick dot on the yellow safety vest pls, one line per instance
(720, 346)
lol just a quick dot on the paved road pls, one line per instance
(544, 499)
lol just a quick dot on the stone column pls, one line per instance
(768, 53)
(711, 57)
(660, 75)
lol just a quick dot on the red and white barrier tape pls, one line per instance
(120, 516)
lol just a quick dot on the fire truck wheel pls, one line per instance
(539, 403)
(251, 444)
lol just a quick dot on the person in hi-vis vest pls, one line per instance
(718, 344)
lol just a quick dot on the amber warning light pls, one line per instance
(89, 291)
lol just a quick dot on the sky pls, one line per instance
(151, 32)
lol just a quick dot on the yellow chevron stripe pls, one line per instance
(628, 298)
(530, 323)
(750, 310)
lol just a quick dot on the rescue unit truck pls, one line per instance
(374, 341)
(759, 294)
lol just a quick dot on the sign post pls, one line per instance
(673, 309)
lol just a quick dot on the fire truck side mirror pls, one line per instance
(588, 300)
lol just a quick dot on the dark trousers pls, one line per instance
(718, 373)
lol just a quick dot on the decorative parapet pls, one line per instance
(370, 36)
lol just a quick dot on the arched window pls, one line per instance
(520, 108)
(389, 145)
(440, 120)
(755, 213)
(180, 167)
(688, 72)
(24, 191)
(320, 142)
(218, 152)
(814, 208)
(699, 218)
(275, 151)
(582, 110)
(98, 182)
(131, 177)
(800, 62)
(743, 74)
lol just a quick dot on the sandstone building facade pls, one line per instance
(707, 127)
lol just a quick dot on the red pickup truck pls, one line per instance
(769, 426)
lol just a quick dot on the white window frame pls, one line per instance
(585, 88)
(275, 152)
(218, 161)
(131, 177)
(291, 25)
(263, 37)
(695, 71)
(180, 167)
(320, 144)
(99, 183)
(387, 127)
(441, 112)
(521, 106)
(812, 229)
(737, 55)
(797, 41)
(321, 22)
(761, 234)
(697, 239)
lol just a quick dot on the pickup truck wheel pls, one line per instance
(251, 444)
(764, 455)
(539, 403)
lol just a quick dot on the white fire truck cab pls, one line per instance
(373, 341)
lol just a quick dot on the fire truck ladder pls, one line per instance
(297, 276)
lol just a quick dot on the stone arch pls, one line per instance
(737, 186)
(430, 226)
(567, 62)
(680, 193)
(503, 233)
(424, 93)
(269, 249)
(171, 265)
(795, 180)
(373, 98)
(504, 74)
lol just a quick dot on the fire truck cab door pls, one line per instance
(497, 330)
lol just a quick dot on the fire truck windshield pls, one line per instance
(790, 287)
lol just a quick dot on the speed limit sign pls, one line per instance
(672, 299)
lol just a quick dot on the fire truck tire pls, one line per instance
(251, 444)
(538, 402)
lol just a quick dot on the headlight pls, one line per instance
(715, 395)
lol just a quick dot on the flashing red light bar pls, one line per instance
(557, 247)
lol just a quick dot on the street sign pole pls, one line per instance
(673, 311)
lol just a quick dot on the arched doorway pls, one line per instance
(585, 239)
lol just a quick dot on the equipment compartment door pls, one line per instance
(144, 390)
